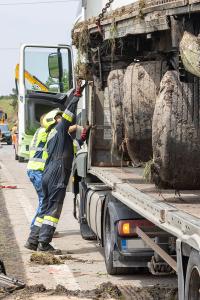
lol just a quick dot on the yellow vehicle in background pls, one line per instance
(37, 85)
(31, 79)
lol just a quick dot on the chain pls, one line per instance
(104, 11)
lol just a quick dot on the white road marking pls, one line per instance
(62, 273)
(65, 277)
(23, 200)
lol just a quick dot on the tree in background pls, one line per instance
(13, 96)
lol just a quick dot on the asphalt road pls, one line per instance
(83, 270)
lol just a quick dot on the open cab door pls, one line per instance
(45, 77)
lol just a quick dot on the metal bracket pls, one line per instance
(165, 256)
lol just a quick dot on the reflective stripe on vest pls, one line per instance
(37, 159)
(36, 149)
(68, 115)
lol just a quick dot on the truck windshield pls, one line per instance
(4, 128)
(37, 76)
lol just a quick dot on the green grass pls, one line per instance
(5, 105)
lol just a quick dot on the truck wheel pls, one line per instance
(109, 245)
(141, 86)
(192, 283)
(174, 134)
(85, 230)
(116, 96)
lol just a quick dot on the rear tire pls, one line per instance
(108, 246)
(192, 282)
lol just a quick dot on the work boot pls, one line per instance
(31, 246)
(45, 247)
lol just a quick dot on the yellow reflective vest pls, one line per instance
(38, 154)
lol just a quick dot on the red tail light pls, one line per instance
(128, 227)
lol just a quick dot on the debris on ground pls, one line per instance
(104, 291)
(75, 259)
(50, 259)
(45, 259)
(8, 186)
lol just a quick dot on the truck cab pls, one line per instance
(45, 76)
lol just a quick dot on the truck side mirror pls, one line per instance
(6, 116)
(53, 64)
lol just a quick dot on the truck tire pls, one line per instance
(141, 87)
(108, 241)
(109, 246)
(192, 282)
(116, 96)
(176, 139)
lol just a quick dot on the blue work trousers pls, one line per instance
(36, 179)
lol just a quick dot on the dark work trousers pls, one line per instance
(54, 184)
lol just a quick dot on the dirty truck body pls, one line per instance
(134, 60)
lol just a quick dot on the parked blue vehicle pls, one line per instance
(5, 134)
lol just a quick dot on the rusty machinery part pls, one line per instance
(103, 12)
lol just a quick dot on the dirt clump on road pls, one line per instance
(50, 259)
(156, 292)
(45, 259)
(104, 291)
(164, 293)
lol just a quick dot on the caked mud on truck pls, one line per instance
(139, 59)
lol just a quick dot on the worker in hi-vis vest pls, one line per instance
(55, 178)
(37, 159)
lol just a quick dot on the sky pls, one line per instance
(44, 23)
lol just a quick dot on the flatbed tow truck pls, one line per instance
(137, 223)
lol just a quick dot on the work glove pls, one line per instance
(77, 94)
(85, 133)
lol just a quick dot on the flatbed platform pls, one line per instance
(176, 212)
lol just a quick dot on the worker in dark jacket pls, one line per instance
(55, 179)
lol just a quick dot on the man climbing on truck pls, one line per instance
(55, 178)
